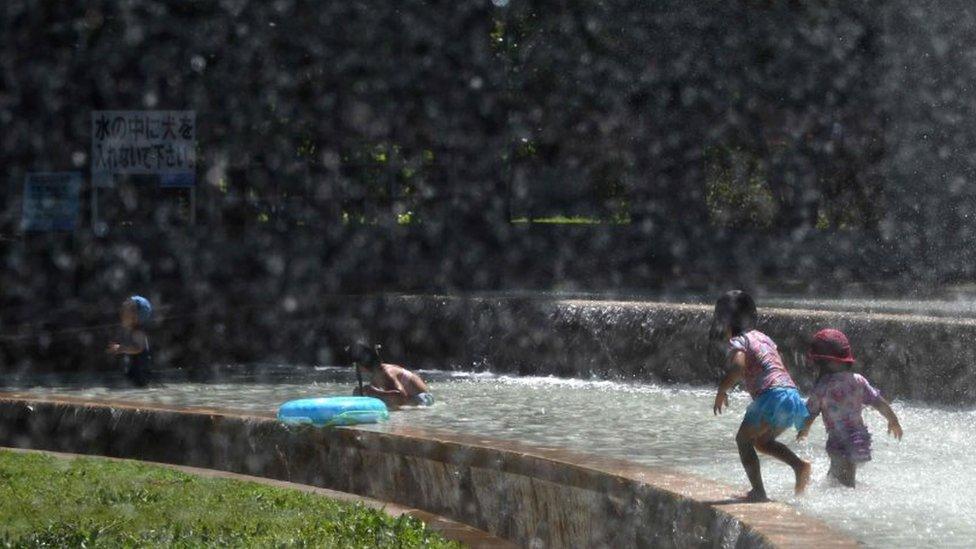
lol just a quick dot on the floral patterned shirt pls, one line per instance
(840, 397)
(764, 367)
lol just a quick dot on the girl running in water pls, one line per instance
(777, 405)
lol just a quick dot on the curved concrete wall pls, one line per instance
(533, 496)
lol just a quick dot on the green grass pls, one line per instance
(575, 220)
(51, 502)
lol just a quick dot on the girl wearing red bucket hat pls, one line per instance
(776, 405)
(840, 395)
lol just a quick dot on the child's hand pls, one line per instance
(113, 348)
(894, 429)
(721, 401)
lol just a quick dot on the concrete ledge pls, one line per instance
(470, 537)
(539, 497)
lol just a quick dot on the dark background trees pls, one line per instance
(621, 146)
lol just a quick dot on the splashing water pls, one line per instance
(918, 490)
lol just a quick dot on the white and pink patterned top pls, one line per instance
(840, 397)
(764, 367)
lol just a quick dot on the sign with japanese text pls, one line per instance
(143, 142)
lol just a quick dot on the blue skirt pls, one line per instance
(778, 407)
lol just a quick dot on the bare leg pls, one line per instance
(745, 440)
(768, 445)
(842, 470)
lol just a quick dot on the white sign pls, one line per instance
(51, 201)
(142, 142)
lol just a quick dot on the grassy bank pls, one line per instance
(46, 501)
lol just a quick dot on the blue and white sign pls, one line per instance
(51, 201)
(143, 142)
(181, 179)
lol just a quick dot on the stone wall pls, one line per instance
(917, 357)
(535, 497)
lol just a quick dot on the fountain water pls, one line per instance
(902, 499)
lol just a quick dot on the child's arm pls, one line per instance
(805, 430)
(138, 345)
(397, 391)
(372, 389)
(735, 374)
(894, 427)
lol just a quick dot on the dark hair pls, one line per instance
(736, 310)
(365, 355)
(824, 368)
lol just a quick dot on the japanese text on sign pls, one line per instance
(143, 142)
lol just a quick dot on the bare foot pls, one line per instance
(803, 477)
(754, 496)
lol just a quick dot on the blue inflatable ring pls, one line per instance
(333, 411)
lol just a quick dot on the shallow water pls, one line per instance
(921, 490)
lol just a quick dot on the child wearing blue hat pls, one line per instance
(135, 314)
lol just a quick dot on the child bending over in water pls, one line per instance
(777, 405)
(840, 395)
(394, 385)
(134, 315)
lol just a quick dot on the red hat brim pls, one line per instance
(847, 359)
